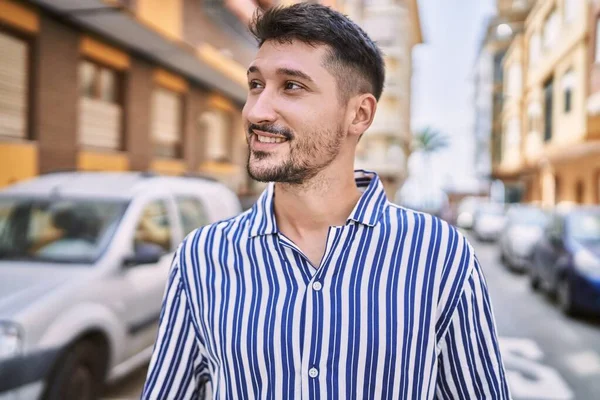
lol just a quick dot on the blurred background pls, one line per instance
(121, 131)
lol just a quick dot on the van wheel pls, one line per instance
(502, 257)
(534, 281)
(79, 374)
(564, 299)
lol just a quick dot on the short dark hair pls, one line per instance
(355, 60)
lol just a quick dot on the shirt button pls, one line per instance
(317, 286)
(313, 372)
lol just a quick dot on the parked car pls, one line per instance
(524, 228)
(488, 221)
(465, 213)
(566, 260)
(84, 260)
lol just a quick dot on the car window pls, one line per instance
(585, 226)
(59, 230)
(192, 213)
(154, 227)
(555, 227)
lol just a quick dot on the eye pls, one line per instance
(254, 84)
(289, 85)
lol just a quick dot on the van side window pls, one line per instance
(192, 213)
(154, 227)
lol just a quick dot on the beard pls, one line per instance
(308, 155)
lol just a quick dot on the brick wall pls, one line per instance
(137, 106)
(56, 94)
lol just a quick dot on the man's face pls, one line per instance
(293, 117)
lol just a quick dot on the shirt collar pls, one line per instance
(367, 211)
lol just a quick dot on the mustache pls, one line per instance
(271, 128)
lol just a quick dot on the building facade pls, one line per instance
(557, 156)
(395, 26)
(131, 85)
(489, 84)
(159, 86)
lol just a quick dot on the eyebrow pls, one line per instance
(284, 71)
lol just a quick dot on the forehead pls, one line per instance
(310, 59)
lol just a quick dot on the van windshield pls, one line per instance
(57, 230)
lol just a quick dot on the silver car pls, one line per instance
(84, 260)
(488, 221)
(524, 228)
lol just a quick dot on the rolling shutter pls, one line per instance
(13, 87)
(166, 120)
(99, 123)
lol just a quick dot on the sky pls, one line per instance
(442, 89)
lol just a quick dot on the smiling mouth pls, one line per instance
(269, 139)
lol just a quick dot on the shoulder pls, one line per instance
(436, 237)
(428, 226)
(218, 233)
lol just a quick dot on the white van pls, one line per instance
(84, 260)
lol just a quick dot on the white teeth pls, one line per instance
(268, 139)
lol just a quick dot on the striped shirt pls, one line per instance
(397, 309)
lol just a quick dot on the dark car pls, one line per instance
(524, 228)
(566, 260)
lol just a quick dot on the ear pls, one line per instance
(364, 107)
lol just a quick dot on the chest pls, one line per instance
(268, 301)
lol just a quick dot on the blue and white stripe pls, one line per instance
(398, 309)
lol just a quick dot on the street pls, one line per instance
(548, 356)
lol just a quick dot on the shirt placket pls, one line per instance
(313, 371)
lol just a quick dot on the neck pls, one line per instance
(326, 200)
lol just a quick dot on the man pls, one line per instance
(323, 289)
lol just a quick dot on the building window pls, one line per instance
(100, 109)
(167, 123)
(557, 190)
(498, 103)
(215, 126)
(597, 44)
(568, 82)
(498, 72)
(551, 29)
(14, 86)
(548, 106)
(568, 100)
(534, 49)
(496, 147)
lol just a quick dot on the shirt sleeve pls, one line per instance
(177, 367)
(470, 365)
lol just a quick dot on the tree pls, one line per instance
(428, 141)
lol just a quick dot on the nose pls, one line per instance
(259, 108)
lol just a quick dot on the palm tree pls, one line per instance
(428, 141)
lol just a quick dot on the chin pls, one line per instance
(261, 171)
